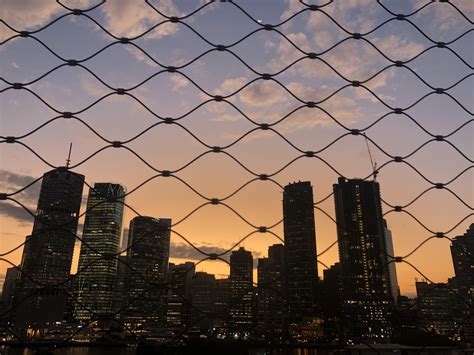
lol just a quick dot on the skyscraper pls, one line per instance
(148, 255)
(462, 251)
(99, 252)
(271, 298)
(366, 293)
(179, 295)
(222, 303)
(47, 254)
(300, 250)
(392, 265)
(202, 297)
(241, 289)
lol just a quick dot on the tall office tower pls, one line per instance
(202, 299)
(222, 303)
(435, 308)
(179, 295)
(392, 266)
(271, 299)
(99, 252)
(241, 290)
(148, 255)
(365, 277)
(462, 252)
(300, 250)
(47, 254)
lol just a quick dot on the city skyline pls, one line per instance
(124, 235)
(216, 148)
(123, 242)
(289, 301)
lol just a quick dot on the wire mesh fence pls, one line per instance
(130, 296)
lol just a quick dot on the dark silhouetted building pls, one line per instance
(462, 251)
(47, 254)
(435, 308)
(241, 290)
(300, 250)
(99, 252)
(222, 303)
(392, 265)
(179, 296)
(331, 302)
(148, 255)
(271, 297)
(366, 293)
(8, 291)
(202, 300)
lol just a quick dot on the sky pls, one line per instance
(172, 147)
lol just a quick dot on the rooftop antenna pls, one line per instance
(372, 162)
(68, 160)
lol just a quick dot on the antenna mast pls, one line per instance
(372, 162)
(68, 160)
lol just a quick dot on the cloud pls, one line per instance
(185, 251)
(16, 212)
(261, 93)
(398, 48)
(131, 18)
(92, 87)
(270, 105)
(26, 14)
(123, 18)
(140, 56)
(356, 60)
(444, 18)
(228, 86)
(179, 82)
(12, 182)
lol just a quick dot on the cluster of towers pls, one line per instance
(139, 289)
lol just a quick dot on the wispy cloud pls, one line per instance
(12, 182)
(185, 251)
(123, 18)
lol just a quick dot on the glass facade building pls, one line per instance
(47, 254)
(241, 290)
(147, 256)
(179, 295)
(462, 252)
(366, 293)
(271, 291)
(99, 252)
(300, 250)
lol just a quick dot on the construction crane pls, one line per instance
(372, 162)
(68, 160)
